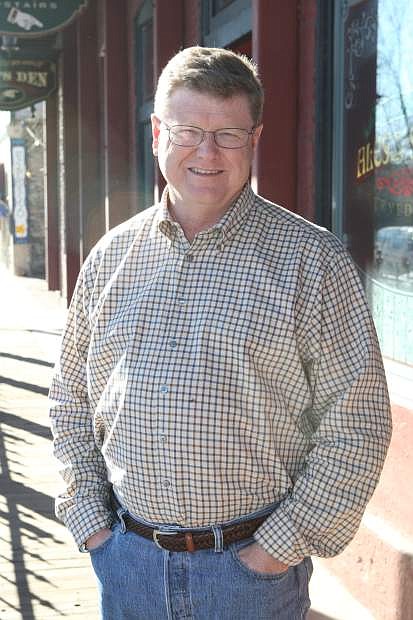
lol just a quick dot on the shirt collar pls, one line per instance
(228, 225)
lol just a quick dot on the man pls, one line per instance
(219, 381)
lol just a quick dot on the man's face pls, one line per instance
(206, 175)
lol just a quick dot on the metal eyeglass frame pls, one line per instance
(205, 131)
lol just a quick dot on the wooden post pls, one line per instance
(114, 54)
(274, 48)
(73, 232)
(90, 177)
(169, 38)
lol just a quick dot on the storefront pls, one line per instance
(362, 132)
(338, 140)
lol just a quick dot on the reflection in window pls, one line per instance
(218, 5)
(377, 160)
(393, 154)
(392, 282)
(393, 167)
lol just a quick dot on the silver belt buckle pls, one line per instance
(157, 533)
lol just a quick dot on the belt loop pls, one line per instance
(219, 538)
(120, 512)
(189, 541)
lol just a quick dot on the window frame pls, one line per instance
(228, 25)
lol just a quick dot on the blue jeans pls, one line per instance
(139, 581)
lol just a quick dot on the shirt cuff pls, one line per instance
(108, 525)
(278, 537)
(85, 518)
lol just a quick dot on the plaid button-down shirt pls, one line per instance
(208, 379)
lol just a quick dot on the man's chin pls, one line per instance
(206, 197)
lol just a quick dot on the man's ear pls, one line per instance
(156, 129)
(256, 136)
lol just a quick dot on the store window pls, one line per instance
(373, 159)
(144, 96)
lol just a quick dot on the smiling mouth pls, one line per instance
(204, 172)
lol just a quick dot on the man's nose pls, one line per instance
(208, 143)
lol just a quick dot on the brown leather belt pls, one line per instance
(190, 540)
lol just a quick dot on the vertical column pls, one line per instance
(90, 177)
(116, 115)
(307, 114)
(51, 197)
(274, 47)
(169, 38)
(71, 197)
(168, 31)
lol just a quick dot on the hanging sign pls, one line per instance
(20, 213)
(31, 18)
(25, 82)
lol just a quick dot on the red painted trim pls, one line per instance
(306, 131)
(91, 194)
(274, 47)
(116, 125)
(169, 37)
(71, 159)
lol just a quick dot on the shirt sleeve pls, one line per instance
(351, 426)
(83, 506)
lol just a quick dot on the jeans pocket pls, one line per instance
(235, 548)
(106, 542)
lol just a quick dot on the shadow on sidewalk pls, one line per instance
(37, 389)
(10, 419)
(56, 332)
(30, 360)
(20, 502)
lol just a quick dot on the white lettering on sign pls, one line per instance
(33, 78)
(7, 4)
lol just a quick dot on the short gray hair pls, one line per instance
(214, 71)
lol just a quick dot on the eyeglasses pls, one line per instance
(226, 138)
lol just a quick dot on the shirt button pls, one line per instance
(173, 343)
(163, 438)
(164, 389)
(166, 484)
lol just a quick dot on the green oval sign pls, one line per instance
(25, 82)
(34, 18)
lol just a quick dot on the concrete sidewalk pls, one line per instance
(42, 575)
